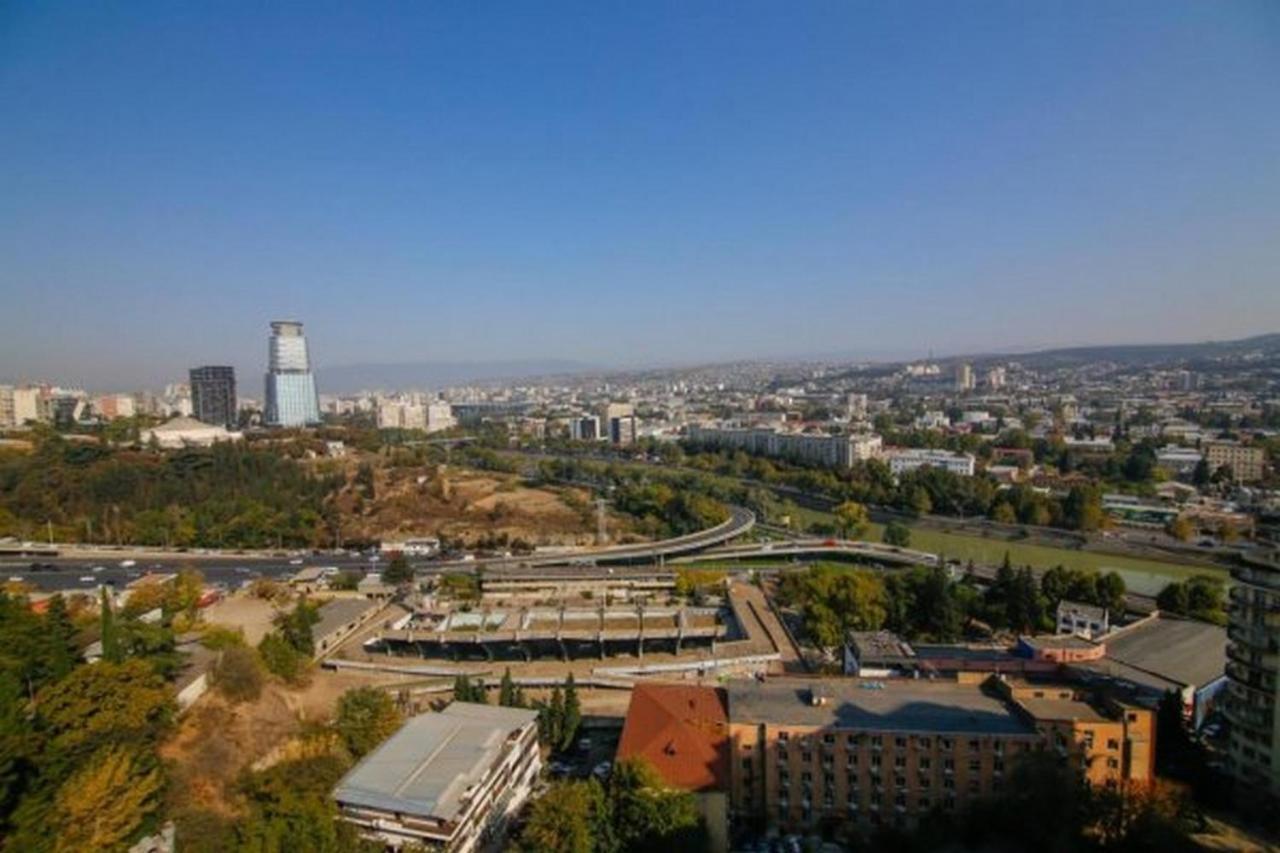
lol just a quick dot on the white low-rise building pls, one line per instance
(188, 432)
(901, 461)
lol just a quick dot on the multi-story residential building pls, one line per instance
(809, 753)
(964, 377)
(6, 407)
(1253, 676)
(291, 399)
(1179, 461)
(112, 406)
(832, 451)
(1245, 461)
(903, 460)
(445, 781)
(213, 395)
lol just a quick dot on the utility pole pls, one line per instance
(49, 524)
(602, 535)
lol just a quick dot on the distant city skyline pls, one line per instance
(620, 187)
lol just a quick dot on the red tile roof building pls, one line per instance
(682, 731)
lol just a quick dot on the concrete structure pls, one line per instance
(831, 451)
(1253, 678)
(187, 432)
(1083, 620)
(1245, 461)
(291, 399)
(109, 407)
(682, 732)
(213, 395)
(445, 781)
(904, 460)
(964, 377)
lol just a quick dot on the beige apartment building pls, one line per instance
(1246, 461)
(808, 754)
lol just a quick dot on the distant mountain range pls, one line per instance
(350, 378)
(1138, 353)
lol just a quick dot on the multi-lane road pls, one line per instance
(86, 571)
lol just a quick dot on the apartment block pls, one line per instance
(831, 451)
(446, 781)
(1253, 677)
(1245, 461)
(805, 754)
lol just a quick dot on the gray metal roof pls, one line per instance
(890, 705)
(1181, 651)
(427, 767)
(340, 612)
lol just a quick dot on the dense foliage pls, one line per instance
(78, 762)
(634, 812)
(924, 603)
(229, 495)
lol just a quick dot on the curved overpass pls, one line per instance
(873, 551)
(739, 522)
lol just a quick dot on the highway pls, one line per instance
(85, 570)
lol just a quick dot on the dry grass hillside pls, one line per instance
(467, 506)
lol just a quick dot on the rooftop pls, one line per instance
(427, 767)
(1180, 651)
(889, 705)
(339, 612)
(682, 731)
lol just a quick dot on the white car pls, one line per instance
(128, 564)
(601, 770)
(297, 562)
(87, 579)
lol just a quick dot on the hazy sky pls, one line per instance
(629, 183)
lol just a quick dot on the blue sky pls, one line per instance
(629, 183)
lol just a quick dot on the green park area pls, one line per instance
(1141, 575)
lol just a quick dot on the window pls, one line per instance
(925, 763)
(974, 745)
(973, 786)
(946, 743)
(853, 759)
(746, 764)
(900, 742)
(975, 765)
(828, 738)
(899, 761)
(784, 736)
(948, 764)
(806, 777)
(925, 742)
(1113, 744)
(922, 803)
(806, 756)
(875, 761)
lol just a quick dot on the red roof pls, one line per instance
(683, 731)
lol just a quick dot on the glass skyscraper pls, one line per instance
(213, 395)
(291, 387)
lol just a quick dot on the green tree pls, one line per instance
(572, 718)
(281, 658)
(852, 520)
(104, 804)
(112, 650)
(649, 815)
(398, 571)
(897, 534)
(366, 717)
(295, 627)
(563, 820)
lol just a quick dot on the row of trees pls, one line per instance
(924, 603)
